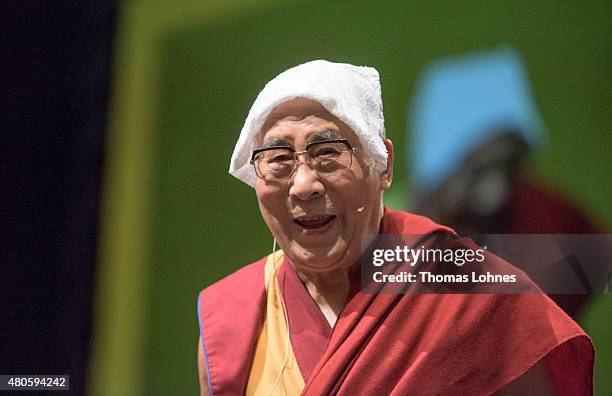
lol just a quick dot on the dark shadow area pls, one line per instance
(56, 77)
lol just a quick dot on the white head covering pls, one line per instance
(351, 93)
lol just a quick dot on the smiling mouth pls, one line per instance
(314, 222)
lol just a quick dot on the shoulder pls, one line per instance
(507, 335)
(229, 315)
(249, 275)
(244, 286)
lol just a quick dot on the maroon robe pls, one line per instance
(395, 344)
(534, 208)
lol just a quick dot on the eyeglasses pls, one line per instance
(279, 163)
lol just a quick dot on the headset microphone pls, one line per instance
(369, 201)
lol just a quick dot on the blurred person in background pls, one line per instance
(472, 124)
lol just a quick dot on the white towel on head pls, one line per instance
(351, 93)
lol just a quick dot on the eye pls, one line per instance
(325, 152)
(280, 157)
(276, 156)
(274, 163)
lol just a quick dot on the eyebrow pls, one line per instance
(326, 134)
(276, 142)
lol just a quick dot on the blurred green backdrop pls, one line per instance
(185, 76)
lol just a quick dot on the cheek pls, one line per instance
(268, 195)
(272, 203)
(353, 194)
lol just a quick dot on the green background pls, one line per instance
(203, 224)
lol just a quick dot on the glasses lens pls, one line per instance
(274, 164)
(330, 157)
(324, 157)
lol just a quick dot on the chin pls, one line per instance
(318, 259)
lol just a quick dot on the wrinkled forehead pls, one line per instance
(305, 111)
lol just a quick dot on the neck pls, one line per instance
(329, 290)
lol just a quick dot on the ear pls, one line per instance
(387, 175)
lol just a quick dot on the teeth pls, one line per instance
(311, 219)
(314, 222)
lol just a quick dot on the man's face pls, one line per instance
(314, 216)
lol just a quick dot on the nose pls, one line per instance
(306, 183)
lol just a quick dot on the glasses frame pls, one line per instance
(296, 154)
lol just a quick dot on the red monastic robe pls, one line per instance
(393, 344)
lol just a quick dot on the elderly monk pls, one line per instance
(297, 321)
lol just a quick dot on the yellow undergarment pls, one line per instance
(273, 354)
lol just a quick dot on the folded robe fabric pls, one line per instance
(404, 344)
